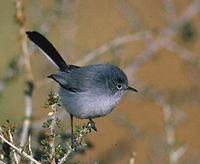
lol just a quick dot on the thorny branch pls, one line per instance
(52, 133)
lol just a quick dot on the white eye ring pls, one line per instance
(119, 86)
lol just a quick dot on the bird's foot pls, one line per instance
(91, 124)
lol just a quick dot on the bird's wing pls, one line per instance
(62, 78)
(81, 79)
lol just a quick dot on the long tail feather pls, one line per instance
(49, 50)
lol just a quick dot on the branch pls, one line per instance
(182, 52)
(132, 159)
(18, 150)
(169, 8)
(14, 153)
(129, 12)
(177, 154)
(20, 18)
(1, 162)
(52, 133)
(120, 41)
(169, 125)
(29, 148)
(27, 121)
(62, 160)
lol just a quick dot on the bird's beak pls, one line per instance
(132, 89)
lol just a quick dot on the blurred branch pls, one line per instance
(16, 64)
(132, 159)
(18, 150)
(28, 114)
(129, 13)
(169, 8)
(182, 52)
(125, 122)
(21, 20)
(52, 16)
(169, 124)
(135, 22)
(13, 70)
(163, 38)
(177, 154)
(120, 41)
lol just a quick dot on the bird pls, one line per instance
(86, 92)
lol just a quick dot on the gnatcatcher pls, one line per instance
(86, 92)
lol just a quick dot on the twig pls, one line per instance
(29, 148)
(62, 160)
(14, 153)
(18, 150)
(177, 154)
(132, 159)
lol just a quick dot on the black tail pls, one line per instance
(47, 48)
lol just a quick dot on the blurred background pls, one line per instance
(156, 42)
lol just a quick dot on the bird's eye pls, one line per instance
(119, 86)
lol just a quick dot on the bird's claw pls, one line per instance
(91, 124)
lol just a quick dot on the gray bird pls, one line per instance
(86, 92)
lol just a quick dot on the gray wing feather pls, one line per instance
(81, 79)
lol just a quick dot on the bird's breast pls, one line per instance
(87, 105)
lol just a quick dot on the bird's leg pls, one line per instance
(92, 124)
(72, 131)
